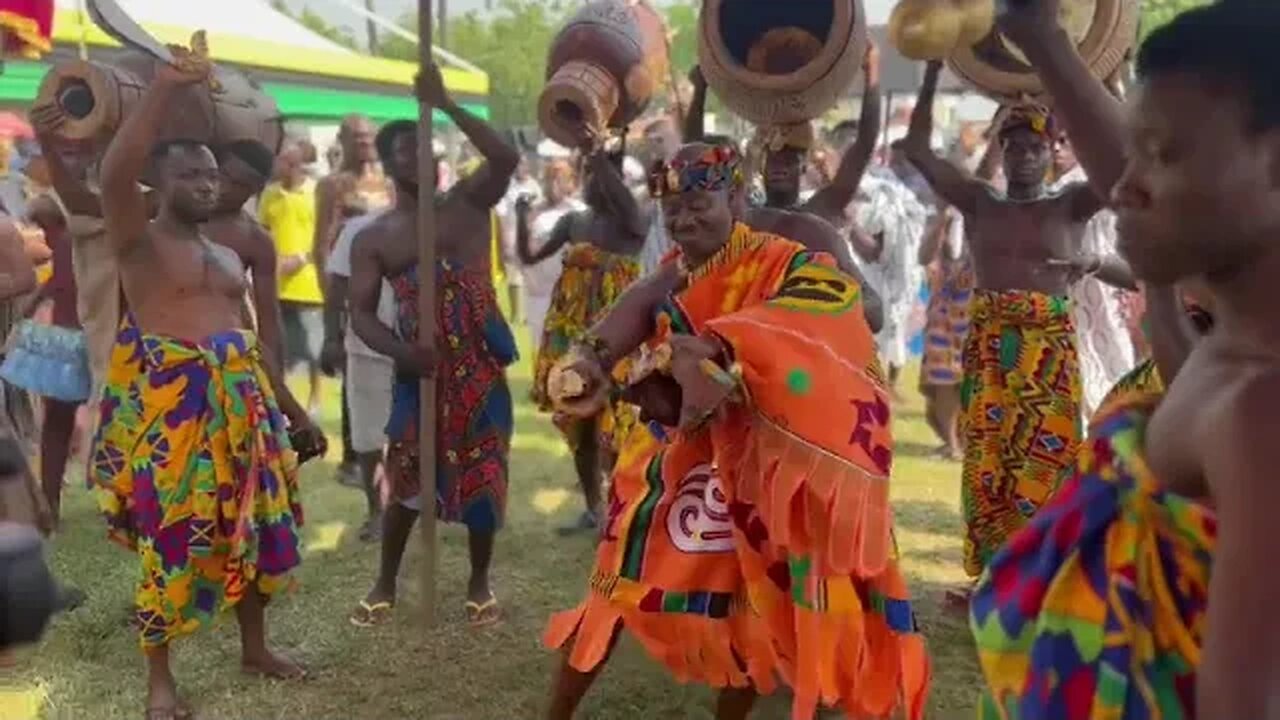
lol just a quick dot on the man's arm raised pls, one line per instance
(123, 205)
(487, 185)
(831, 201)
(1093, 117)
(953, 184)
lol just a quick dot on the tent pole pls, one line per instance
(427, 324)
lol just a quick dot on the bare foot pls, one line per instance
(163, 702)
(272, 665)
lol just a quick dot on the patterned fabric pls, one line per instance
(474, 415)
(718, 168)
(1096, 610)
(744, 552)
(1144, 379)
(1021, 417)
(1103, 342)
(591, 280)
(193, 469)
(893, 212)
(947, 325)
(1029, 116)
(947, 316)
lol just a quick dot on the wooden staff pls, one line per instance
(427, 323)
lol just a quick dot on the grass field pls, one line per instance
(89, 666)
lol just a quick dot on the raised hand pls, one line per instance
(696, 77)
(871, 62)
(429, 87)
(1026, 20)
(45, 120)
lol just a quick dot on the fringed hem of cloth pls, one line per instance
(1097, 608)
(721, 652)
(850, 659)
(812, 503)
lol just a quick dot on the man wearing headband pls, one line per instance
(811, 223)
(748, 535)
(473, 347)
(601, 247)
(1021, 388)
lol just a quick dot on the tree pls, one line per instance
(312, 20)
(1158, 12)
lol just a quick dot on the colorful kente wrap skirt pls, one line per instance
(1021, 416)
(946, 327)
(591, 280)
(1096, 610)
(474, 417)
(759, 547)
(193, 469)
(1144, 378)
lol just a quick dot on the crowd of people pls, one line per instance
(720, 339)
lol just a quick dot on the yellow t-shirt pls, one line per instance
(290, 216)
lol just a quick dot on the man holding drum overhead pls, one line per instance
(1147, 587)
(1021, 387)
(192, 462)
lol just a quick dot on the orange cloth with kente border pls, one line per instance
(760, 546)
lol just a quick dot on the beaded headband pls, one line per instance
(1035, 118)
(717, 168)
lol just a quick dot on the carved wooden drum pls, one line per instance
(95, 98)
(1103, 30)
(780, 63)
(603, 68)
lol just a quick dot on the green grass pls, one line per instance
(89, 665)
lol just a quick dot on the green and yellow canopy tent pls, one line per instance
(312, 79)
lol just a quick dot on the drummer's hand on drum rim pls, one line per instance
(45, 119)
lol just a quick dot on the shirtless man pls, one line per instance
(473, 348)
(1021, 422)
(244, 168)
(161, 438)
(1192, 174)
(601, 246)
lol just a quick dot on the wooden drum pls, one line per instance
(1104, 31)
(602, 69)
(781, 63)
(96, 97)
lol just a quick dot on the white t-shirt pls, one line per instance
(340, 264)
(540, 280)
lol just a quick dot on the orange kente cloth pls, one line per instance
(761, 545)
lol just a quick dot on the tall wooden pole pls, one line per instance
(427, 323)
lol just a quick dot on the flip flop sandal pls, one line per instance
(480, 615)
(366, 615)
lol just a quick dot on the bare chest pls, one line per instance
(1028, 232)
(1175, 435)
(186, 268)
